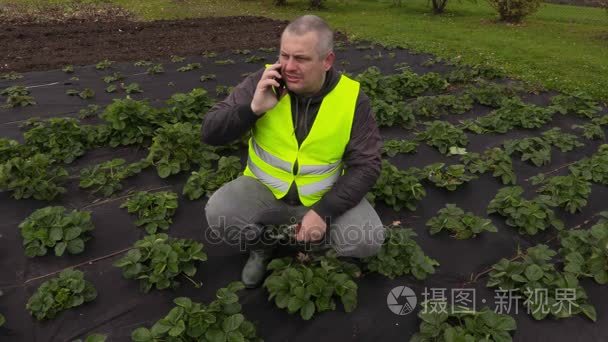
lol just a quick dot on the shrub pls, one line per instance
(513, 11)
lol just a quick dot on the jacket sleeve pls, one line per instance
(362, 162)
(229, 119)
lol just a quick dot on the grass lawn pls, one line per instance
(561, 47)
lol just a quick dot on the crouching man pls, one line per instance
(314, 153)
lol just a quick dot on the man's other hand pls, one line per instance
(312, 228)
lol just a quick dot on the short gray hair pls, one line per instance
(313, 23)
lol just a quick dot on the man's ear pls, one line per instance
(329, 60)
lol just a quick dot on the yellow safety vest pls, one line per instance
(273, 147)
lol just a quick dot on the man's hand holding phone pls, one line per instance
(264, 97)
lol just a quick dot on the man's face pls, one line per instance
(301, 66)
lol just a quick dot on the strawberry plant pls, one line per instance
(450, 177)
(62, 139)
(155, 69)
(2, 320)
(131, 88)
(392, 113)
(469, 73)
(55, 227)
(495, 160)
(188, 321)
(157, 260)
(534, 149)
(224, 62)
(570, 192)
(142, 63)
(209, 54)
(89, 111)
(513, 113)
(34, 176)
(12, 148)
(397, 188)
(68, 69)
(255, 59)
(117, 76)
(17, 96)
(111, 89)
(85, 94)
(177, 59)
(11, 76)
(154, 210)
(310, 287)
(594, 168)
(564, 141)
(454, 324)
(207, 77)
(107, 176)
(443, 135)
(591, 131)
(189, 107)
(579, 104)
(461, 225)
(534, 274)
(130, 121)
(601, 120)
(175, 147)
(387, 93)
(392, 147)
(241, 52)
(584, 251)
(491, 94)
(206, 181)
(270, 49)
(189, 67)
(93, 338)
(103, 65)
(66, 291)
(400, 255)
(528, 216)
(436, 106)
(223, 90)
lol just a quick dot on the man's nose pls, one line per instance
(290, 64)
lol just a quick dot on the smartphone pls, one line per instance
(279, 90)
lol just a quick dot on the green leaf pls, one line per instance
(215, 335)
(75, 246)
(72, 233)
(161, 327)
(294, 304)
(235, 336)
(308, 310)
(177, 329)
(534, 272)
(60, 248)
(589, 311)
(232, 323)
(96, 338)
(141, 335)
(56, 234)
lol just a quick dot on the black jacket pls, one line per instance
(229, 119)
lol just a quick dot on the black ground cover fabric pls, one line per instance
(120, 308)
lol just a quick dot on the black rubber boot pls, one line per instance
(254, 271)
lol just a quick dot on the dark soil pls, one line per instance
(49, 46)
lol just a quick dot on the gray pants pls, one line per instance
(237, 205)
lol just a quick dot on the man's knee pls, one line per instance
(358, 241)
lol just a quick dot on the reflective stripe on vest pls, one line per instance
(274, 149)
